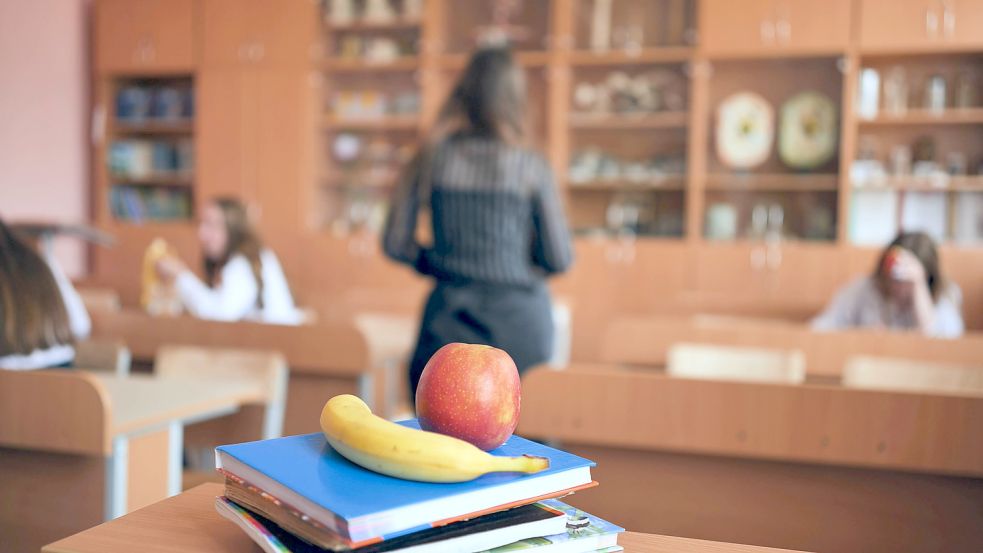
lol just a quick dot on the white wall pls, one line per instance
(43, 111)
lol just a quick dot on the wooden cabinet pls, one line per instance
(145, 36)
(906, 25)
(267, 32)
(751, 27)
(255, 135)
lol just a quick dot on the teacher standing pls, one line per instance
(498, 228)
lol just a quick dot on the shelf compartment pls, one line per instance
(674, 183)
(386, 122)
(954, 116)
(153, 126)
(535, 58)
(777, 182)
(175, 180)
(657, 120)
(973, 183)
(402, 63)
(359, 26)
(668, 54)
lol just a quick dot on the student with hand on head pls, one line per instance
(905, 292)
(243, 280)
(495, 216)
(41, 314)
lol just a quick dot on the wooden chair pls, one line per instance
(886, 373)
(252, 422)
(747, 364)
(103, 356)
(54, 456)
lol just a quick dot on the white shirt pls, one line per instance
(78, 322)
(860, 304)
(234, 297)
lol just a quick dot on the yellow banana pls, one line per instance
(386, 447)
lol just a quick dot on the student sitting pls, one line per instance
(906, 292)
(243, 280)
(41, 314)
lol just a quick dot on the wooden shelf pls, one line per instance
(404, 63)
(674, 183)
(968, 116)
(340, 180)
(386, 122)
(792, 182)
(172, 180)
(622, 57)
(537, 58)
(355, 26)
(162, 126)
(658, 120)
(972, 183)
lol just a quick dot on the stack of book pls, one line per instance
(296, 494)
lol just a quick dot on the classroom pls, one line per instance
(462, 276)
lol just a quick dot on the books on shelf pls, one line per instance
(139, 203)
(297, 494)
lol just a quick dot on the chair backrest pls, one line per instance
(715, 362)
(100, 299)
(103, 356)
(267, 366)
(886, 373)
(61, 411)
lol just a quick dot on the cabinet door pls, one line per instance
(144, 35)
(963, 22)
(900, 24)
(285, 136)
(810, 26)
(225, 165)
(276, 32)
(728, 27)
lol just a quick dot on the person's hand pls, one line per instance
(907, 268)
(169, 267)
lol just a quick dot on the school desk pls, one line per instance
(325, 359)
(796, 466)
(77, 448)
(188, 523)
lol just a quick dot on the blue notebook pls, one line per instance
(362, 506)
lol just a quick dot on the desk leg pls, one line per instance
(116, 479)
(141, 470)
(175, 460)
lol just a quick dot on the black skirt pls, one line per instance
(517, 319)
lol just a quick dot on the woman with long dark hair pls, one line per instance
(243, 280)
(905, 292)
(497, 224)
(41, 314)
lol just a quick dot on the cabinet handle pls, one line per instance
(948, 19)
(931, 23)
(783, 30)
(767, 31)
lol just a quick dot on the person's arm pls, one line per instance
(909, 269)
(231, 300)
(552, 247)
(78, 317)
(841, 311)
(948, 321)
(399, 235)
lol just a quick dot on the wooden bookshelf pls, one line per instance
(402, 63)
(152, 127)
(657, 55)
(675, 183)
(163, 179)
(380, 123)
(784, 182)
(361, 26)
(951, 116)
(627, 121)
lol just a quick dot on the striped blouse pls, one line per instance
(496, 215)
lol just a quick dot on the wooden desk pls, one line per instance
(78, 448)
(325, 359)
(644, 341)
(188, 523)
(796, 466)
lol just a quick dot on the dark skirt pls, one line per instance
(517, 319)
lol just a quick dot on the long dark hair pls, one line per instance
(242, 239)
(489, 99)
(32, 311)
(923, 247)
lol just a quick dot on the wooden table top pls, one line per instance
(188, 523)
(141, 402)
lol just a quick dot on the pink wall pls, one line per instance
(43, 111)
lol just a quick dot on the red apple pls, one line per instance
(471, 392)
